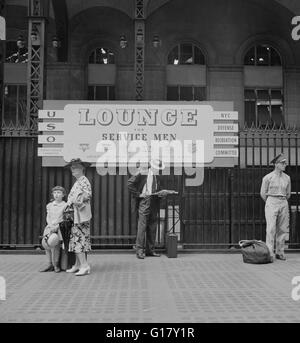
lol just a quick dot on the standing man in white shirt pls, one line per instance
(142, 186)
(275, 191)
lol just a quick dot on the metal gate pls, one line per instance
(224, 209)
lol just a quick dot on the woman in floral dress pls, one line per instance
(79, 197)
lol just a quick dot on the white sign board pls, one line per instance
(132, 132)
(121, 133)
(2, 28)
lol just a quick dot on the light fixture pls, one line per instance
(156, 42)
(34, 34)
(20, 42)
(55, 42)
(123, 42)
(139, 36)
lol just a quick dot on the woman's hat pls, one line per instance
(157, 164)
(76, 161)
(49, 242)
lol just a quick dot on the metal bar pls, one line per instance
(260, 175)
(139, 29)
(2, 178)
(253, 183)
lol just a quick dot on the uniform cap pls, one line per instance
(279, 158)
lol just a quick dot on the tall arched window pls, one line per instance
(186, 54)
(101, 74)
(263, 88)
(262, 55)
(102, 56)
(16, 51)
(186, 73)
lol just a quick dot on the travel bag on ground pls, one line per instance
(255, 252)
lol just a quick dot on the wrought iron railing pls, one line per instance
(19, 127)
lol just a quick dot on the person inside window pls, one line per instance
(21, 55)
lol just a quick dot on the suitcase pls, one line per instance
(172, 245)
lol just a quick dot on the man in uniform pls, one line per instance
(275, 191)
(142, 186)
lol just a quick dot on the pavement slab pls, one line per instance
(193, 288)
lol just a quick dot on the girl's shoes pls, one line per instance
(74, 269)
(84, 271)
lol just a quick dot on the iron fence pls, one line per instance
(224, 209)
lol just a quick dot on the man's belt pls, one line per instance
(280, 197)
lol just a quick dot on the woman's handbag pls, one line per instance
(255, 252)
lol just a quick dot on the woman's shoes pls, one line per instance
(49, 268)
(74, 269)
(84, 271)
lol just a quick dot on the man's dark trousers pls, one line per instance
(147, 223)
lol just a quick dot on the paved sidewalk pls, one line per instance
(192, 288)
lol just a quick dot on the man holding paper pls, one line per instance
(145, 188)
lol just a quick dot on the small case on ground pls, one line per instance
(172, 245)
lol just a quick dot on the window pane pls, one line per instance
(268, 105)
(111, 57)
(265, 56)
(16, 54)
(250, 113)
(249, 94)
(101, 93)
(263, 94)
(10, 104)
(276, 94)
(173, 57)
(102, 56)
(199, 93)
(91, 93)
(275, 58)
(186, 54)
(98, 59)
(262, 53)
(111, 93)
(263, 115)
(250, 57)
(198, 56)
(186, 93)
(172, 93)
(277, 115)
